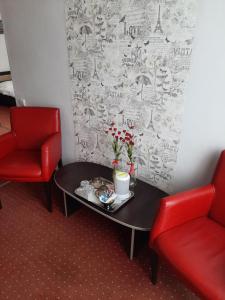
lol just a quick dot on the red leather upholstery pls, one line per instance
(50, 154)
(33, 125)
(21, 164)
(218, 207)
(181, 208)
(196, 250)
(32, 150)
(7, 144)
(189, 233)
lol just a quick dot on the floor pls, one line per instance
(4, 120)
(47, 256)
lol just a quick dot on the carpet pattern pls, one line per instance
(47, 256)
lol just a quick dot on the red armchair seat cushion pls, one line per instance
(21, 164)
(196, 250)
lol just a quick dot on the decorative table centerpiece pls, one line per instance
(117, 146)
(112, 195)
(121, 139)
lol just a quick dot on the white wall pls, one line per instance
(203, 135)
(4, 62)
(35, 37)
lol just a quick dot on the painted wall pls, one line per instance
(128, 64)
(35, 34)
(203, 133)
(4, 62)
(38, 55)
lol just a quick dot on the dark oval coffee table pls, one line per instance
(138, 213)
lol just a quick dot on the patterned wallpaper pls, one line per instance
(128, 62)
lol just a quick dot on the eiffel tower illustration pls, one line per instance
(150, 124)
(95, 74)
(158, 26)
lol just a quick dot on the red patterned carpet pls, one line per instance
(47, 256)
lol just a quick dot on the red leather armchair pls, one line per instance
(189, 233)
(32, 150)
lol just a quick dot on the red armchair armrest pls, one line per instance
(50, 155)
(7, 143)
(182, 207)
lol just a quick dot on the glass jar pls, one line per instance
(133, 179)
(116, 166)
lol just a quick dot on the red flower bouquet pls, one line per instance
(117, 144)
(120, 139)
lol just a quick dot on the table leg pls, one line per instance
(132, 243)
(65, 204)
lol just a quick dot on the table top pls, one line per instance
(138, 213)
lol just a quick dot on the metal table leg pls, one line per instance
(65, 204)
(132, 244)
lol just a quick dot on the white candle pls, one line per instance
(121, 182)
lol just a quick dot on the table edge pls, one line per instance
(99, 211)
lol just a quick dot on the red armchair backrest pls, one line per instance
(33, 125)
(218, 207)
